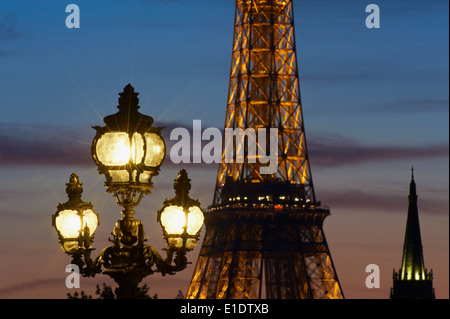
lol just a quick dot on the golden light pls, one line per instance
(173, 219)
(68, 224)
(117, 149)
(113, 149)
(155, 151)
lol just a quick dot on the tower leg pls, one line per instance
(292, 256)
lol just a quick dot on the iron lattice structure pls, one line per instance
(264, 234)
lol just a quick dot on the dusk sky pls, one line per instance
(375, 103)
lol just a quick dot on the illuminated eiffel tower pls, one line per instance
(264, 234)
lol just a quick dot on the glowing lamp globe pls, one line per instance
(128, 150)
(75, 221)
(181, 217)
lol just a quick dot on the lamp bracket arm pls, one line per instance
(167, 265)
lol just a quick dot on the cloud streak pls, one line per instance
(8, 30)
(355, 199)
(37, 283)
(334, 151)
(54, 146)
(424, 105)
(42, 146)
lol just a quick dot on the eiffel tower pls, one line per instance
(264, 232)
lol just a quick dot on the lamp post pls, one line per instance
(129, 151)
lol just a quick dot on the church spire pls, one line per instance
(413, 266)
(412, 281)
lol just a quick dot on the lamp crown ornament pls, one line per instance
(128, 98)
(182, 181)
(182, 184)
(74, 188)
(128, 119)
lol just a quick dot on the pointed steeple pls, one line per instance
(412, 281)
(413, 266)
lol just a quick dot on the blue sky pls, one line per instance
(375, 103)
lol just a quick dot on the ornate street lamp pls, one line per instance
(129, 152)
(75, 221)
(181, 217)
